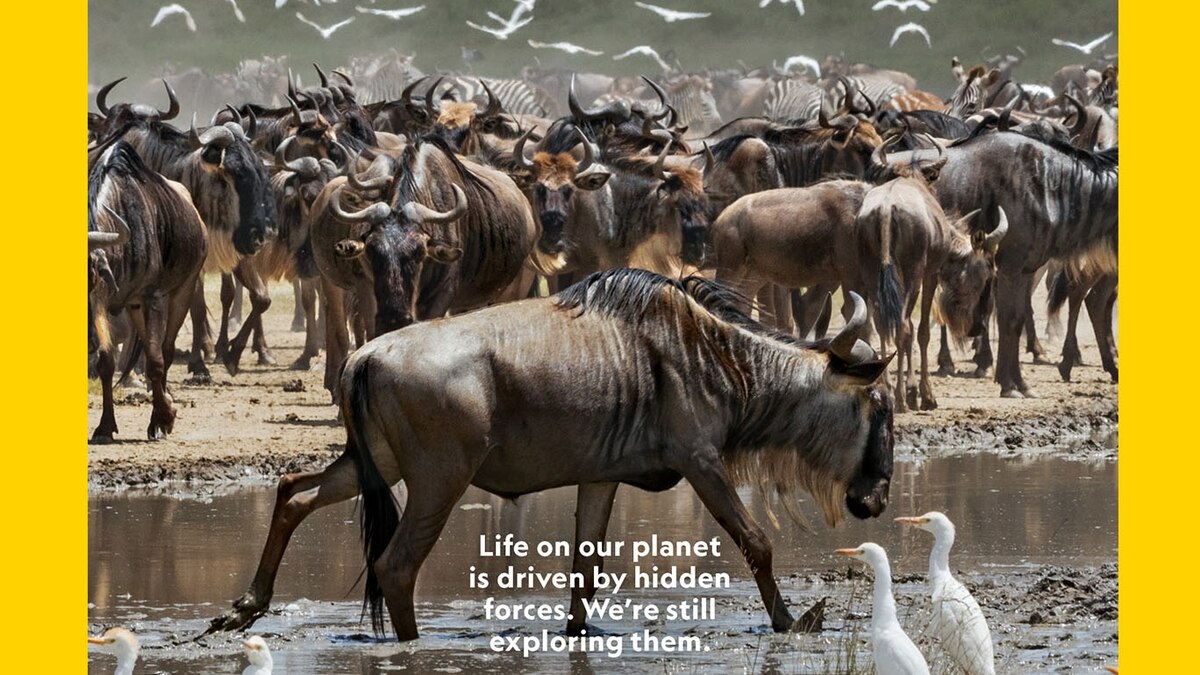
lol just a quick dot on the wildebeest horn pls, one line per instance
(870, 104)
(219, 135)
(102, 239)
(237, 116)
(847, 98)
(102, 96)
(997, 235)
(709, 160)
(345, 153)
(344, 76)
(429, 106)
(291, 92)
(493, 105)
(519, 151)
(423, 214)
(252, 127)
(659, 165)
(295, 109)
(822, 119)
(307, 167)
(1006, 114)
(406, 94)
(364, 184)
(589, 152)
(321, 74)
(374, 213)
(573, 103)
(662, 94)
(1080, 115)
(844, 342)
(172, 106)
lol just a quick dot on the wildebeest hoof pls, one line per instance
(1064, 370)
(231, 363)
(928, 403)
(911, 398)
(302, 363)
(945, 370)
(979, 373)
(1011, 393)
(298, 326)
(246, 610)
(100, 439)
(265, 358)
(1039, 360)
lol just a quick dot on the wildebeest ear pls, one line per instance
(863, 373)
(592, 180)
(443, 252)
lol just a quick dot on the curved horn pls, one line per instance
(423, 214)
(252, 127)
(823, 119)
(344, 76)
(519, 151)
(321, 74)
(406, 94)
(345, 154)
(102, 96)
(847, 98)
(662, 94)
(493, 105)
(237, 116)
(589, 153)
(843, 343)
(660, 163)
(1006, 114)
(172, 105)
(374, 213)
(576, 110)
(364, 184)
(709, 160)
(193, 137)
(308, 167)
(295, 110)
(870, 104)
(101, 239)
(997, 235)
(1080, 115)
(291, 92)
(429, 106)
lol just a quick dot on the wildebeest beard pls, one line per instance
(256, 203)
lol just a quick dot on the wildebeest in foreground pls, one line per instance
(532, 395)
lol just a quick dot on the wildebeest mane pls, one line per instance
(1098, 161)
(723, 150)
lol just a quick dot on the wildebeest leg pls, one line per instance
(226, 310)
(431, 500)
(1099, 303)
(106, 365)
(235, 310)
(299, 311)
(177, 311)
(1011, 289)
(1071, 356)
(1032, 344)
(983, 352)
(298, 495)
(153, 329)
(717, 492)
(306, 300)
(337, 338)
(593, 507)
(808, 309)
(202, 345)
(782, 306)
(260, 300)
(904, 344)
(928, 401)
(365, 308)
(945, 359)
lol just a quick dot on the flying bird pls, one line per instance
(894, 651)
(325, 32)
(259, 655)
(798, 3)
(802, 60)
(902, 5)
(911, 28)
(501, 33)
(517, 13)
(564, 46)
(237, 11)
(643, 50)
(121, 642)
(670, 15)
(393, 14)
(957, 623)
(168, 10)
(1086, 49)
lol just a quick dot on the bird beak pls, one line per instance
(848, 551)
(100, 641)
(910, 520)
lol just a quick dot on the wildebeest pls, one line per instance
(528, 396)
(146, 246)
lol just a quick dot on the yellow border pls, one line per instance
(44, 496)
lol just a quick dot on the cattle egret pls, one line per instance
(259, 655)
(517, 13)
(564, 46)
(801, 60)
(643, 50)
(798, 3)
(957, 622)
(168, 10)
(325, 32)
(902, 5)
(237, 11)
(911, 28)
(671, 16)
(501, 33)
(121, 642)
(894, 652)
(393, 14)
(1086, 49)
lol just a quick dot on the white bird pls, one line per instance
(670, 15)
(802, 60)
(280, 3)
(517, 13)
(643, 50)
(501, 33)
(393, 14)
(168, 10)
(325, 32)
(121, 642)
(259, 655)
(798, 3)
(564, 46)
(894, 652)
(911, 28)
(1086, 49)
(902, 5)
(957, 623)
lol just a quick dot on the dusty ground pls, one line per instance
(268, 420)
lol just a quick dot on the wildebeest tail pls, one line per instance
(891, 299)
(1059, 291)
(135, 352)
(380, 513)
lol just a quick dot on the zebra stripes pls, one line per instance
(793, 100)
(517, 97)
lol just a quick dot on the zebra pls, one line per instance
(382, 78)
(692, 98)
(517, 97)
(877, 89)
(793, 100)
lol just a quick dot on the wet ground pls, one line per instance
(1036, 542)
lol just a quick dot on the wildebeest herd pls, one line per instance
(692, 262)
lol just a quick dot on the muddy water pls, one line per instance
(166, 564)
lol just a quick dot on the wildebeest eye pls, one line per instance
(212, 154)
